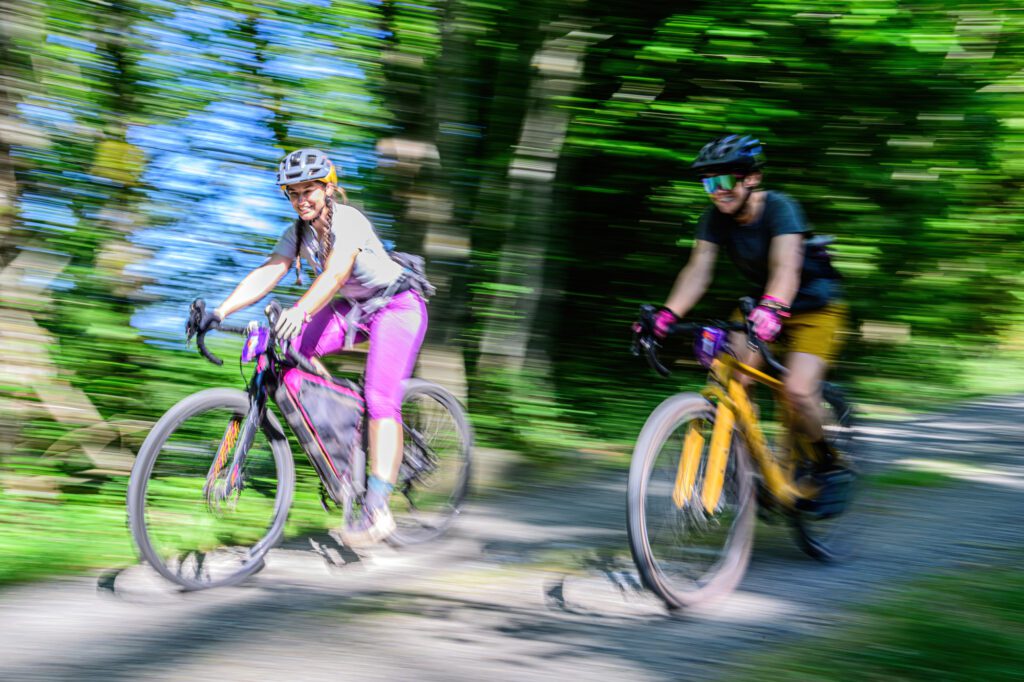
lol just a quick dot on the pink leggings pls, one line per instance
(396, 331)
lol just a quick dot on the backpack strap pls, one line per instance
(362, 310)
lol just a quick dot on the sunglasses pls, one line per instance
(720, 182)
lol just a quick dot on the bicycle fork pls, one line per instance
(717, 461)
(238, 438)
(732, 409)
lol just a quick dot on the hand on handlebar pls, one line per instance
(662, 322)
(767, 318)
(767, 324)
(646, 335)
(289, 324)
(200, 322)
(646, 343)
(655, 320)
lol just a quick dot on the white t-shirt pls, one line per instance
(373, 269)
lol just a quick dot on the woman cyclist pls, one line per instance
(352, 267)
(797, 287)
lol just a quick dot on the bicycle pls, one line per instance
(212, 486)
(702, 467)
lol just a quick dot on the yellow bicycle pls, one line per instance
(702, 466)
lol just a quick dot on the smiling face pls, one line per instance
(727, 199)
(309, 198)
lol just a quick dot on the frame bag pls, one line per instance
(327, 418)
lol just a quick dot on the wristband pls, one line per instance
(776, 305)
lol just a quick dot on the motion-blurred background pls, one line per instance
(535, 151)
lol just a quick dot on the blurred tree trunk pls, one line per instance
(525, 269)
(409, 182)
(19, 32)
(512, 203)
(484, 76)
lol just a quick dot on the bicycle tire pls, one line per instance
(434, 479)
(834, 539)
(663, 572)
(194, 569)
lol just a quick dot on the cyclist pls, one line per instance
(352, 270)
(797, 288)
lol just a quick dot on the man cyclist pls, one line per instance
(797, 288)
(352, 267)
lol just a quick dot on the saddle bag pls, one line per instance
(327, 418)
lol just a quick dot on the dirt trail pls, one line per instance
(534, 586)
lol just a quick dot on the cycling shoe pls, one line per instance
(835, 487)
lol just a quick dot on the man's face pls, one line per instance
(729, 191)
(308, 198)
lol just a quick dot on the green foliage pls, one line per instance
(885, 120)
(65, 537)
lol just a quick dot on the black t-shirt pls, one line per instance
(748, 245)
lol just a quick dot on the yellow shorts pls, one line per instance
(818, 332)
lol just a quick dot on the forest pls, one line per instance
(536, 153)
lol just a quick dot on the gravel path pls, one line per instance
(533, 586)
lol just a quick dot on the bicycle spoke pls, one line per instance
(434, 465)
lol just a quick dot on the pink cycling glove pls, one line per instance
(767, 318)
(663, 321)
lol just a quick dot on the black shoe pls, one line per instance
(835, 486)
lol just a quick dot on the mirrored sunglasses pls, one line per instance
(720, 182)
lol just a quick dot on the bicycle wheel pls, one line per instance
(434, 477)
(833, 538)
(182, 529)
(685, 554)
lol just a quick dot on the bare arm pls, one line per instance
(337, 270)
(256, 285)
(785, 260)
(694, 278)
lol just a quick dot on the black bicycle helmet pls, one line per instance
(305, 164)
(730, 154)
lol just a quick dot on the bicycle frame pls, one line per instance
(265, 386)
(734, 410)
